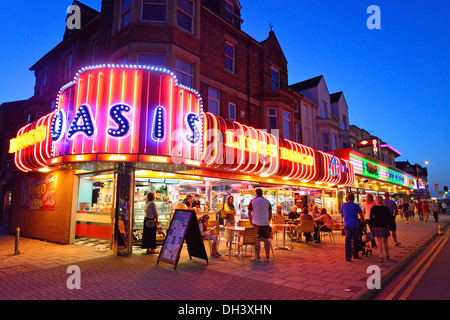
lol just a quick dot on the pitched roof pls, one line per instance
(334, 97)
(307, 84)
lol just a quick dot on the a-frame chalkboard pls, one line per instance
(184, 226)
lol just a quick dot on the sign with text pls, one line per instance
(39, 193)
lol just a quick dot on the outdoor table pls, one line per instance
(284, 236)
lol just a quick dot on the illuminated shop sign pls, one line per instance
(378, 171)
(234, 146)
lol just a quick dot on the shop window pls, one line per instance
(125, 14)
(185, 15)
(213, 101)
(151, 59)
(154, 10)
(286, 125)
(229, 57)
(184, 72)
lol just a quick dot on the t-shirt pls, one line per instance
(391, 205)
(380, 216)
(260, 209)
(366, 209)
(350, 211)
(405, 207)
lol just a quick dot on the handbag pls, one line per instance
(150, 223)
(223, 214)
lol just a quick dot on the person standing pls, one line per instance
(392, 206)
(406, 210)
(350, 212)
(434, 207)
(230, 210)
(150, 224)
(444, 208)
(425, 210)
(419, 209)
(259, 214)
(381, 218)
(367, 205)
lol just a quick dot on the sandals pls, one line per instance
(153, 251)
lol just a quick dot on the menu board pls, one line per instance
(184, 226)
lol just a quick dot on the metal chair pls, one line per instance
(330, 233)
(249, 237)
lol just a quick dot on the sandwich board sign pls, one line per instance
(184, 226)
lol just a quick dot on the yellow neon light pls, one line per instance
(27, 139)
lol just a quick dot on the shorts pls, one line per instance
(378, 232)
(263, 232)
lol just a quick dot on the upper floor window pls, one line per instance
(344, 123)
(68, 67)
(274, 79)
(213, 101)
(43, 84)
(324, 110)
(232, 111)
(272, 119)
(185, 14)
(151, 59)
(229, 12)
(94, 50)
(125, 13)
(286, 125)
(298, 133)
(184, 72)
(154, 10)
(325, 142)
(229, 57)
(334, 142)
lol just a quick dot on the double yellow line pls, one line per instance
(425, 262)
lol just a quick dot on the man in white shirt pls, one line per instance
(259, 214)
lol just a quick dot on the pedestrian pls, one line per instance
(350, 212)
(444, 208)
(381, 219)
(259, 214)
(412, 210)
(418, 209)
(434, 207)
(230, 210)
(367, 205)
(393, 209)
(425, 210)
(400, 209)
(207, 234)
(150, 224)
(406, 211)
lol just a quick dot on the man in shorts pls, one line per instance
(259, 214)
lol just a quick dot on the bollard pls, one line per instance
(16, 249)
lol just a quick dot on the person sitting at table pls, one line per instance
(294, 215)
(306, 216)
(324, 222)
(278, 213)
(207, 234)
(315, 212)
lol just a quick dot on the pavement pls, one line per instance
(307, 272)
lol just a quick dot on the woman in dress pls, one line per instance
(381, 218)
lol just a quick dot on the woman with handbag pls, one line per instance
(381, 218)
(230, 211)
(150, 224)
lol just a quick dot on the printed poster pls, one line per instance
(39, 193)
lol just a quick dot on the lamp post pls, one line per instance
(417, 172)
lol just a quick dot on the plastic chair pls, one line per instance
(330, 233)
(276, 230)
(249, 238)
(306, 226)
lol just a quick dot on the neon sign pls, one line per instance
(27, 139)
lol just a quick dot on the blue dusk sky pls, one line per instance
(396, 79)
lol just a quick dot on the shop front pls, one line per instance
(119, 133)
(376, 177)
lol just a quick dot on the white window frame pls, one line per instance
(191, 16)
(286, 116)
(214, 99)
(274, 81)
(269, 116)
(184, 73)
(123, 13)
